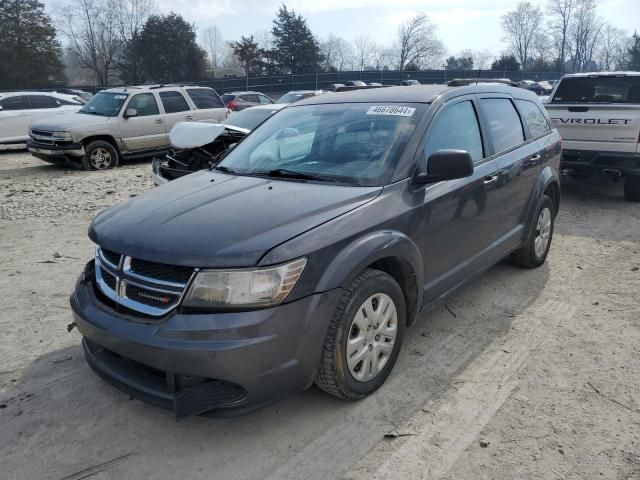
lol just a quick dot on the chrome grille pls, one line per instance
(150, 288)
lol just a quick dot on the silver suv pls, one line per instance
(121, 123)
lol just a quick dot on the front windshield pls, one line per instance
(356, 144)
(249, 118)
(105, 104)
(291, 97)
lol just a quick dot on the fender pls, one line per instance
(364, 251)
(547, 176)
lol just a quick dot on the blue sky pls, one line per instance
(462, 24)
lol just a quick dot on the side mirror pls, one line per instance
(231, 147)
(446, 165)
(288, 133)
(131, 112)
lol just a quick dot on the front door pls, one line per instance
(144, 131)
(459, 215)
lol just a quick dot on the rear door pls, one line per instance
(176, 109)
(247, 100)
(208, 105)
(146, 130)
(598, 112)
(459, 214)
(519, 161)
(14, 118)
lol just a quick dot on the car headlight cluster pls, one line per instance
(244, 288)
(63, 135)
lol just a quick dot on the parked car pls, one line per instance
(334, 87)
(598, 116)
(355, 83)
(409, 83)
(197, 146)
(463, 82)
(304, 255)
(19, 109)
(81, 95)
(240, 100)
(296, 95)
(539, 88)
(121, 123)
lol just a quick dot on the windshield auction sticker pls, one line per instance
(391, 110)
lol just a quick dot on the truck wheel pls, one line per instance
(99, 155)
(364, 337)
(535, 252)
(632, 188)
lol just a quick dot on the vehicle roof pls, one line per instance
(149, 88)
(242, 92)
(417, 94)
(271, 106)
(304, 91)
(63, 96)
(602, 74)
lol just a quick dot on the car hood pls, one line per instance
(65, 122)
(193, 135)
(210, 219)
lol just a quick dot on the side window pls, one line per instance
(19, 102)
(536, 121)
(265, 100)
(42, 101)
(504, 122)
(249, 98)
(145, 104)
(204, 98)
(455, 127)
(173, 102)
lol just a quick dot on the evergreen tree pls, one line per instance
(634, 53)
(249, 54)
(459, 63)
(30, 54)
(506, 63)
(295, 49)
(167, 51)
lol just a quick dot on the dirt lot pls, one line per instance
(522, 374)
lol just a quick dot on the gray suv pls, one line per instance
(121, 123)
(303, 256)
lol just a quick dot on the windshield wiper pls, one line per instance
(89, 112)
(223, 169)
(284, 173)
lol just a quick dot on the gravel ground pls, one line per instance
(522, 374)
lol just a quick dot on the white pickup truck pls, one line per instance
(598, 117)
(121, 123)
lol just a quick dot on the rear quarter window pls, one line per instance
(534, 118)
(204, 98)
(173, 102)
(18, 102)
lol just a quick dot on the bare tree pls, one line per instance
(482, 59)
(214, 45)
(522, 28)
(364, 48)
(561, 12)
(417, 42)
(132, 15)
(612, 42)
(585, 34)
(337, 53)
(94, 35)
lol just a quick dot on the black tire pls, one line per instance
(97, 149)
(632, 188)
(334, 375)
(527, 256)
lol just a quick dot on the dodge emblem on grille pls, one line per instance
(122, 289)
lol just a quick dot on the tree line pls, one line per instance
(129, 41)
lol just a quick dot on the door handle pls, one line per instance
(159, 121)
(534, 159)
(189, 117)
(490, 180)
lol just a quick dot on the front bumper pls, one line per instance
(55, 153)
(222, 363)
(592, 162)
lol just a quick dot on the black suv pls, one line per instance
(304, 255)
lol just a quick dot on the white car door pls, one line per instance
(14, 119)
(208, 106)
(176, 109)
(145, 130)
(43, 106)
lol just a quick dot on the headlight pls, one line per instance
(253, 288)
(62, 135)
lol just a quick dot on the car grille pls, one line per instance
(153, 289)
(42, 133)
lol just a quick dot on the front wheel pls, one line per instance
(99, 155)
(535, 252)
(364, 337)
(632, 188)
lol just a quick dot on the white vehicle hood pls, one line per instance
(192, 135)
(65, 122)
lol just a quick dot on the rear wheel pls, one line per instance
(99, 155)
(535, 252)
(364, 337)
(632, 188)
